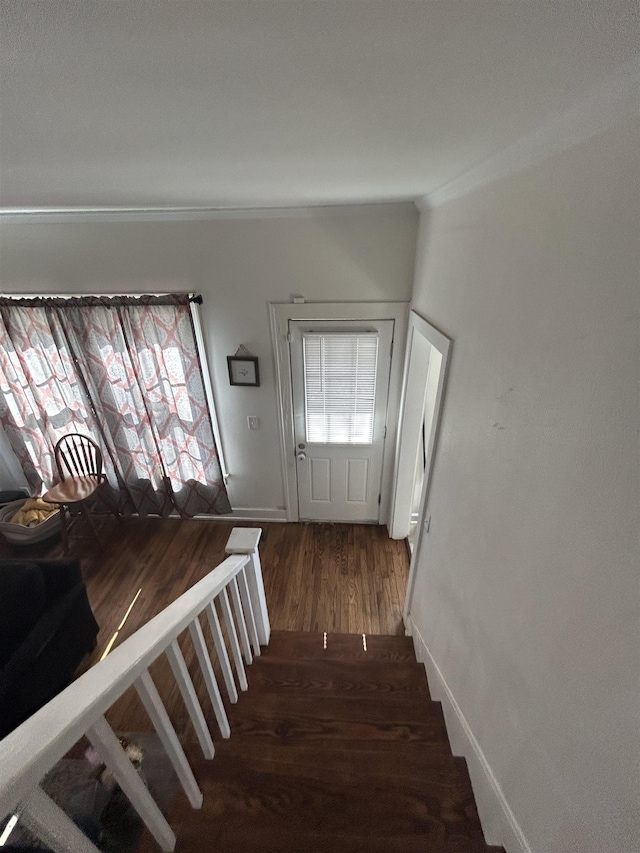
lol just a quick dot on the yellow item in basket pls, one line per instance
(34, 511)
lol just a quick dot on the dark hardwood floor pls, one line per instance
(318, 577)
(336, 746)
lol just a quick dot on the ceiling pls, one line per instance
(278, 102)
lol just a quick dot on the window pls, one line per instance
(125, 371)
(340, 386)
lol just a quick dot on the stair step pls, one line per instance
(413, 763)
(334, 791)
(277, 840)
(308, 719)
(339, 678)
(311, 646)
(336, 750)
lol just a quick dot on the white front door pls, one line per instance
(340, 377)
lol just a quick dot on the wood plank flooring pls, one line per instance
(318, 577)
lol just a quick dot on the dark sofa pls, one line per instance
(46, 628)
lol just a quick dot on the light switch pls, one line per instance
(253, 422)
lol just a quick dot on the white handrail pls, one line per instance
(27, 753)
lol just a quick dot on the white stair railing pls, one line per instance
(29, 752)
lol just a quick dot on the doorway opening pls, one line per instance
(418, 483)
(426, 365)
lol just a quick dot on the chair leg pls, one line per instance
(92, 523)
(64, 529)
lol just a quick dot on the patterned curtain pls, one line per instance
(125, 371)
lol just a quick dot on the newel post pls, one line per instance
(244, 540)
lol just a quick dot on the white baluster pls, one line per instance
(221, 649)
(233, 639)
(244, 540)
(195, 629)
(190, 697)
(242, 625)
(248, 611)
(50, 824)
(107, 745)
(157, 713)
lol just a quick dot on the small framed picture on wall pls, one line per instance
(243, 370)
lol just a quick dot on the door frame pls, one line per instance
(413, 384)
(411, 418)
(280, 314)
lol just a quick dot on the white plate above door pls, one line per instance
(340, 381)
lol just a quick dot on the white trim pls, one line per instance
(611, 103)
(279, 316)
(14, 216)
(208, 388)
(410, 420)
(258, 513)
(242, 513)
(442, 344)
(499, 823)
(434, 336)
(284, 396)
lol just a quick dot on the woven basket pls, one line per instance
(18, 534)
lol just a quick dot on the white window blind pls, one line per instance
(340, 387)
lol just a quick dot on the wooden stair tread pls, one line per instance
(337, 753)
(339, 677)
(327, 719)
(409, 763)
(311, 645)
(238, 839)
(257, 794)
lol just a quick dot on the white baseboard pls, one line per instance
(499, 824)
(250, 514)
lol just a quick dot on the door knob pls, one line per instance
(302, 457)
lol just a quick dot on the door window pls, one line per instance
(340, 386)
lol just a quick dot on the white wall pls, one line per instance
(528, 583)
(239, 265)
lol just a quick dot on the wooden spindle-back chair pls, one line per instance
(79, 462)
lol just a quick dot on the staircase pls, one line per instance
(335, 749)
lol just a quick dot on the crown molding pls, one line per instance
(195, 214)
(611, 103)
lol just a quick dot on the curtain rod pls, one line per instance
(59, 300)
